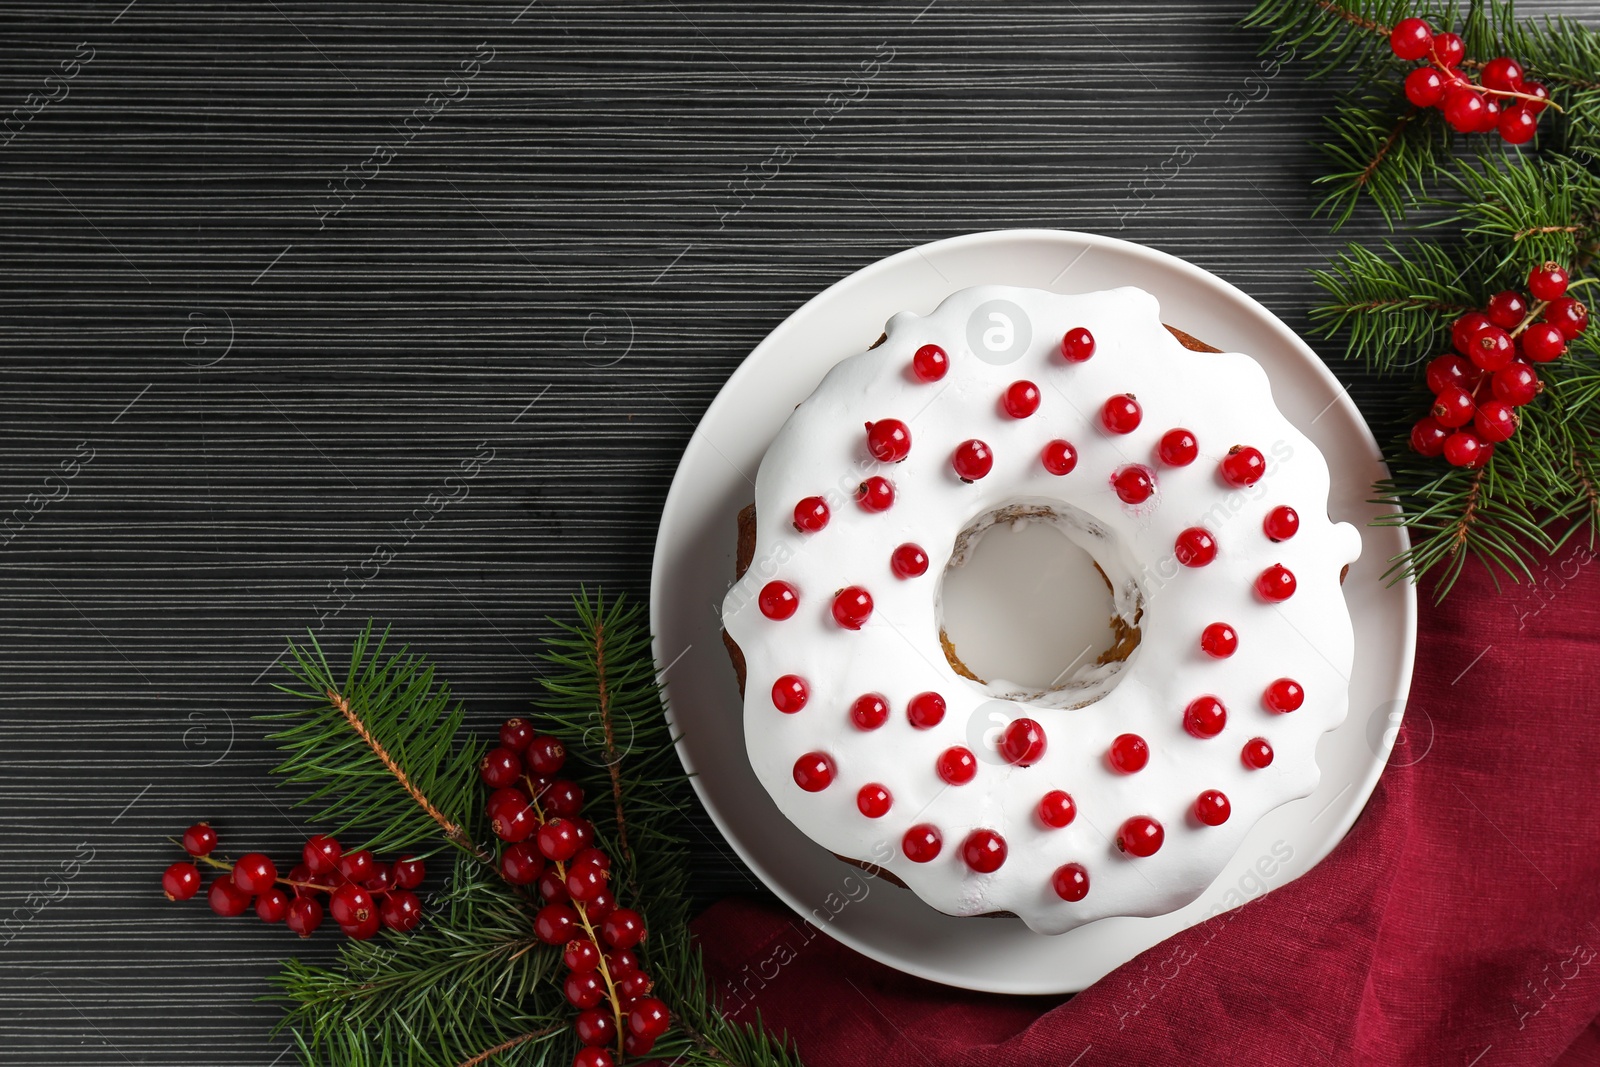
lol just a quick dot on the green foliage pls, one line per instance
(1395, 310)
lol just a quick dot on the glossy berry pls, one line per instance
(589, 1056)
(623, 928)
(1256, 754)
(1543, 342)
(972, 460)
(1284, 696)
(580, 955)
(1121, 414)
(1464, 328)
(956, 766)
(1129, 753)
(1569, 315)
(1134, 484)
(1178, 448)
(1023, 742)
(350, 904)
(1506, 310)
(1277, 583)
(984, 851)
(1449, 49)
(1212, 808)
(779, 600)
(1548, 281)
(583, 989)
(649, 1018)
(199, 839)
(556, 924)
(512, 819)
(908, 561)
(811, 514)
(180, 881)
(1195, 547)
(1071, 882)
(869, 711)
(1463, 109)
(926, 710)
(1452, 407)
(889, 440)
(401, 911)
(1463, 449)
(1492, 348)
(790, 693)
(562, 797)
(1281, 523)
(500, 767)
(1021, 399)
(930, 363)
(321, 854)
(1140, 836)
(1425, 87)
(304, 916)
(515, 733)
(1243, 466)
(852, 607)
(254, 873)
(1057, 809)
(873, 800)
(552, 887)
(1059, 457)
(1205, 717)
(557, 841)
(1489, 120)
(1411, 38)
(1428, 437)
(545, 755)
(585, 880)
(1502, 74)
(409, 872)
(1516, 385)
(595, 1027)
(521, 864)
(362, 929)
(1447, 370)
(813, 772)
(634, 985)
(1219, 640)
(356, 866)
(1077, 345)
(875, 494)
(1495, 421)
(382, 877)
(1539, 92)
(922, 843)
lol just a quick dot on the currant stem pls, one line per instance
(223, 865)
(1450, 72)
(1533, 314)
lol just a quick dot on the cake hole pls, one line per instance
(1026, 611)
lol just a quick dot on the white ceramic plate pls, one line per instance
(694, 564)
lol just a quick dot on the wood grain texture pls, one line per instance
(271, 272)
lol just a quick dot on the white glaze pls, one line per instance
(1224, 399)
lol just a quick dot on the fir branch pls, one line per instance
(506, 1046)
(1530, 213)
(1320, 30)
(1395, 311)
(1380, 149)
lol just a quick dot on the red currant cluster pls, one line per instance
(1501, 99)
(1493, 373)
(363, 893)
(550, 846)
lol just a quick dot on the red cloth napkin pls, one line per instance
(1457, 924)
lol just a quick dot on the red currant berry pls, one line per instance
(930, 363)
(254, 873)
(875, 494)
(356, 866)
(556, 924)
(1492, 348)
(889, 440)
(1219, 640)
(1516, 385)
(1453, 407)
(623, 928)
(521, 864)
(1548, 281)
(545, 755)
(557, 841)
(649, 1018)
(926, 710)
(1481, 460)
(180, 881)
(811, 514)
(1057, 809)
(1543, 342)
(1195, 547)
(972, 460)
(1463, 109)
(1277, 583)
(589, 1056)
(1281, 523)
(908, 561)
(1465, 328)
(401, 911)
(1021, 399)
(364, 929)
(1140, 836)
(1502, 74)
(869, 711)
(1539, 92)
(1428, 437)
(1489, 120)
(1424, 87)
(1518, 124)
(1495, 421)
(852, 607)
(585, 881)
(790, 693)
(500, 768)
(1121, 414)
(562, 797)
(552, 887)
(873, 800)
(635, 985)
(580, 955)
(1134, 484)
(1257, 753)
(1077, 345)
(1178, 448)
(779, 600)
(1204, 717)
(1071, 882)
(350, 905)
(321, 854)
(1212, 808)
(1023, 742)
(583, 989)
(1243, 466)
(922, 843)
(1449, 49)
(199, 839)
(1411, 38)
(409, 872)
(1506, 310)
(595, 856)
(813, 772)
(1568, 315)
(515, 733)
(1447, 370)
(1284, 696)
(1059, 457)
(984, 851)
(304, 916)
(1129, 753)
(956, 766)
(1461, 448)
(512, 819)
(595, 1027)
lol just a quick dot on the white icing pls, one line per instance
(1224, 399)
